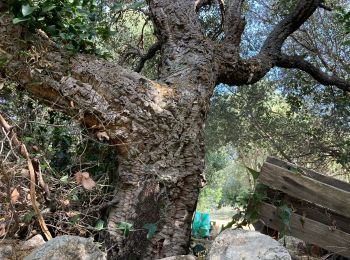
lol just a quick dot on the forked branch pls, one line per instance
(292, 22)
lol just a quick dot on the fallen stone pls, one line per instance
(67, 248)
(33, 242)
(239, 244)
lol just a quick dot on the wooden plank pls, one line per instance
(311, 231)
(319, 214)
(306, 188)
(310, 173)
(312, 211)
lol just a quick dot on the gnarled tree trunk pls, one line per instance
(156, 126)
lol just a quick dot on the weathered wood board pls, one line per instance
(310, 173)
(308, 230)
(319, 214)
(302, 187)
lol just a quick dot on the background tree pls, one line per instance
(155, 125)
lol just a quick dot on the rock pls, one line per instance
(239, 244)
(67, 248)
(13, 249)
(6, 252)
(180, 257)
(294, 245)
(33, 242)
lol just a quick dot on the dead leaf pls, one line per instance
(71, 103)
(2, 229)
(87, 182)
(78, 177)
(65, 202)
(35, 148)
(14, 196)
(102, 135)
(71, 214)
(25, 173)
(85, 179)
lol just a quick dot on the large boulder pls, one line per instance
(239, 244)
(67, 248)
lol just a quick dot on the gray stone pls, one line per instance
(67, 248)
(239, 244)
(33, 242)
(6, 252)
(294, 245)
(180, 257)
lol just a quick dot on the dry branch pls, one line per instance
(22, 149)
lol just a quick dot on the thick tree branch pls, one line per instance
(186, 51)
(234, 22)
(292, 22)
(175, 20)
(238, 71)
(325, 7)
(147, 56)
(298, 62)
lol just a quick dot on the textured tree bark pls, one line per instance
(156, 126)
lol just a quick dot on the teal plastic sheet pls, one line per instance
(201, 225)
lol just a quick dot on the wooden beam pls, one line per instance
(310, 173)
(302, 187)
(308, 230)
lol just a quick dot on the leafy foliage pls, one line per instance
(281, 123)
(151, 229)
(77, 25)
(285, 214)
(125, 227)
(63, 149)
(73, 24)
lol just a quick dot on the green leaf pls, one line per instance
(99, 225)
(125, 227)
(74, 197)
(73, 220)
(19, 20)
(285, 214)
(28, 217)
(151, 228)
(64, 179)
(27, 9)
(117, 6)
(28, 139)
(136, 5)
(302, 221)
(48, 8)
(255, 174)
(3, 61)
